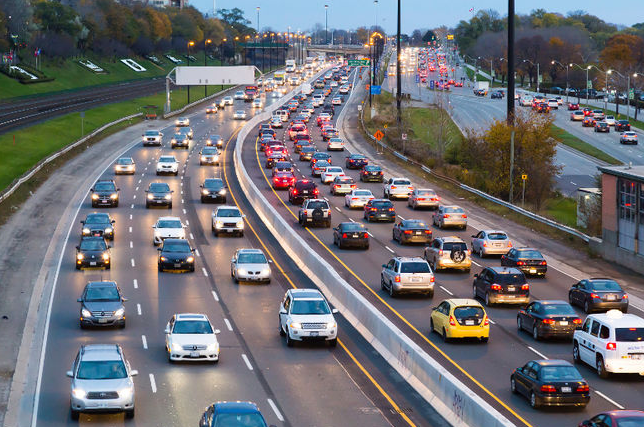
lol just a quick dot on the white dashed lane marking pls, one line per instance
(136, 284)
(247, 362)
(138, 309)
(446, 290)
(132, 262)
(214, 295)
(389, 249)
(153, 383)
(228, 325)
(145, 342)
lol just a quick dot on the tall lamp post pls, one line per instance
(257, 19)
(326, 24)
(205, 57)
(553, 62)
(190, 44)
(398, 74)
(587, 70)
(628, 90)
(538, 72)
(375, 3)
(606, 73)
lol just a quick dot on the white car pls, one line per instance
(182, 121)
(276, 122)
(239, 94)
(167, 164)
(397, 188)
(239, 115)
(336, 101)
(610, 120)
(228, 100)
(343, 90)
(168, 227)
(250, 265)
(305, 315)
(553, 104)
(330, 173)
(335, 144)
(525, 101)
(227, 219)
(257, 103)
(152, 137)
(358, 198)
(491, 242)
(191, 337)
(334, 83)
(611, 342)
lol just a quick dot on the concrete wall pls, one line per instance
(609, 202)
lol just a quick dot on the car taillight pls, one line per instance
(446, 216)
(543, 263)
(486, 321)
(548, 321)
(391, 209)
(344, 235)
(509, 244)
(393, 187)
(611, 346)
(336, 185)
(431, 279)
(316, 191)
(577, 321)
(440, 252)
(583, 388)
(548, 388)
(625, 296)
(452, 321)
(525, 287)
(594, 296)
(427, 231)
(495, 287)
(397, 279)
(366, 235)
(276, 179)
(407, 231)
(520, 263)
(294, 191)
(463, 216)
(353, 186)
(485, 244)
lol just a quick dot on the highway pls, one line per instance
(485, 368)
(309, 385)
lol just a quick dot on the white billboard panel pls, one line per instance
(234, 75)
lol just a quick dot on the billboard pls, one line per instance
(234, 75)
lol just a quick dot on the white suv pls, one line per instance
(612, 342)
(228, 219)
(191, 337)
(101, 381)
(403, 274)
(168, 227)
(305, 315)
(397, 188)
(167, 164)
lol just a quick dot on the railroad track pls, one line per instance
(15, 114)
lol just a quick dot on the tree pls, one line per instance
(57, 18)
(429, 36)
(623, 52)
(363, 35)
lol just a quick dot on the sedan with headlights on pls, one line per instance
(191, 337)
(177, 255)
(213, 189)
(250, 265)
(158, 194)
(239, 115)
(125, 166)
(93, 252)
(209, 156)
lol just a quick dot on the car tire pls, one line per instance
(487, 299)
(576, 358)
(333, 342)
(289, 341)
(78, 267)
(535, 333)
(444, 335)
(474, 293)
(75, 415)
(601, 368)
(430, 294)
(340, 246)
(170, 206)
(513, 386)
(129, 414)
(586, 307)
(481, 253)
(570, 298)
(382, 283)
(392, 292)
(282, 333)
(159, 268)
(484, 339)
(519, 324)
(533, 401)
(147, 205)
(431, 325)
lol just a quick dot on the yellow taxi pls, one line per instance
(460, 318)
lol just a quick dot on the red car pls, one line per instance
(588, 111)
(458, 84)
(624, 418)
(542, 107)
(573, 106)
(283, 180)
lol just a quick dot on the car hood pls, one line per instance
(176, 255)
(102, 305)
(252, 266)
(167, 164)
(312, 318)
(102, 226)
(105, 193)
(169, 232)
(189, 339)
(102, 385)
(160, 194)
(91, 254)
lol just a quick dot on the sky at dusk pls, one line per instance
(350, 14)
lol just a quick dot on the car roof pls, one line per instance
(618, 319)
(463, 301)
(451, 239)
(306, 294)
(169, 218)
(190, 316)
(250, 251)
(505, 270)
(98, 352)
(101, 284)
(409, 259)
(552, 362)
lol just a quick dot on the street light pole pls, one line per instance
(326, 24)
(257, 19)
(555, 62)
(205, 57)
(190, 43)
(398, 74)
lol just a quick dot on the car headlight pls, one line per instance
(240, 224)
(79, 393)
(126, 393)
(113, 196)
(119, 313)
(109, 230)
(162, 258)
(173, 140)
(213, 347)
(176, 347)
(150, 196)
(86, 230)
(266, 271)
(223, 191)
(296, 325)
(191, 259)
(106, 256)
(168, 197)
(86, 313)
(79, 256)
(205, 192)
(203, 158)
(94, 196)
(218, 223)
(242, 271)
(331, 325)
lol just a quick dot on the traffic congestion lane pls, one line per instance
(464, 290)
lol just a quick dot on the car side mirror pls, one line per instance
(282, 311)
(70, 374)
(113, 221)
(134, 372)
(335, 311)
(79, 300)
(123, 299)
(166, 330)
(233, 259)
(77, 248)
(473, 236)
(109, 247)
(82, 222)
(270, 261)
(384, 266)
(476, 275)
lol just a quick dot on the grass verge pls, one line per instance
(572, 141)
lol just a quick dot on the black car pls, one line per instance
(187, 131)
(176, 254)
(215, 141)
(209, 156)
(320, 156)
(180, 140)
(102, 305)
(379, 210)
(622, 126)
(351, 234)
(496, 95)
(602, 127)
(306, 152)
(356, 161)
(328, 108)
(213, 189)
(268, 132)
(412, 231)
(372, 173)
(98, 225)
(550, 383)
(598, 294)
(93, 252)
(528, 260)
(501, 285)
(302, 190)
(548, 318)
(158, 194)
(263, 127)
(105, 193)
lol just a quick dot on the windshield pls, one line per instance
(560, 373)
(167, 159)
(505, 278)
(102, 293)
(104, 186)
(401, 182)
(93, 245)
(209, 151)
(426, 193)
(629, 334)
(228, 213)
(468, 311)
(414, 267)
(452, 209)
(192, 327)
(159, 187)
(169, 223)
(239, 420)
(101, 370)
(529, 254)
(151, 133)
(215, 138)
(176, 246)
(635, 421)
(317, 306)
(97, 219)
(557, 310)
(382, 205)
(213, 183)
(251, 259)
(125, 161)
(497, 236)
(366, 193)
(414, 224)
(605, 285)
(352, 227)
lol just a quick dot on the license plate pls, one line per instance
(97, 234)
(314, 334)
(355, 235)
(194, 354)
(564, 323)
(533, 271)
(383, 215)
(177, 265)
(566, 389)
(92, 263)
(610, 297)
(511, 288)
(419, 232)
(102, 320)
(159, 201)
(102, 405)
(416, 279)
(637, 356)
(469, 322)
(104, 201)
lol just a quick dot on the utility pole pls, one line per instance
(326, 24)
(398, 77)
(510, 100)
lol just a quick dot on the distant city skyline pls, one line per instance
(304, 14)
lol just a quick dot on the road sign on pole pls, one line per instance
(376, 90)
(404, 136)
(358, 62)
(417, 78)
(589, 84)
(524, 178)
(378, 135)
(631, 93)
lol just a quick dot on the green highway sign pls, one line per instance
(631, 94)
(358, 62)
(589, 84)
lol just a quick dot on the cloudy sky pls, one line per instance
(346, 14)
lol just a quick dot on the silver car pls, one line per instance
(250, 265)
(423, 198)
(448, 252)
(227, 219)
(628, 138)
(405, 274)
(491, 242)
(450, 216)
(101, 381)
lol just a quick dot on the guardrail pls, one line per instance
(31, 172)
(561, 227)
(459, 405)
(199, 101)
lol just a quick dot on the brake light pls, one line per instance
(316, 191)
(407, 231)
(397, 279)
(577, 321)
(366, 235)
(583, 388)
(594, 296)
(391, 209)
(509, 244)
(353, 186)
(427, 231)
(548, 321)
(336, 186)
(548, 388)
(543, 263)
(294, 192)
(393, 187)
(431, 279)
(520, 263)
(440, 252)
(344, 235)
(624, 296)
(611, 346)
(463, 216)
(485, 244)
(446, 216)
(452, 321)
(276, 179)
(486, 321)
(525, 287)
(495, 287)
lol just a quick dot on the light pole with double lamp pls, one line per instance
(587, 88)
(190, 44)
(606, 73)
(555, 62)
(205, 57)
(628, 90)
(537, 65)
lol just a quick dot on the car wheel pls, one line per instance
(519, 324)
(481, 254)
(533, 400)
(431, 325)
(474, 293)
(282, 333)
(586, 307)
(129, 414)
(575, 353)
(333, 342)
(382, 283)
(601, 368)
(289, 341)
(392, 292)
(444, 335)
(485, 339)
(75, 415)
(430, 294)
(535, 333)
(570, 298)
(487, 299)
(170, 206)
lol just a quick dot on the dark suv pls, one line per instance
(379, 210)
(159, 194)
(213, 189)
(98, 224)
(93, 252)
(102, 305)
(105, 193)
(501, 285)
(302, 190)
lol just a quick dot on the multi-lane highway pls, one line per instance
(485, 368)
(303, 386)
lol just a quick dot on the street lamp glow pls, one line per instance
(191, 43)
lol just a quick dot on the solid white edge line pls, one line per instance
(248, 365)
(539, 354)
(389, 249)
(192, 237)
(135, 283)
(446, 290)
(145, 342)
(153, 383)
(197, 252)
(278, 414)
(138, 309)
(228, 325)
(608, 399)
(205, 273)
(130, 229)
(214, 295)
